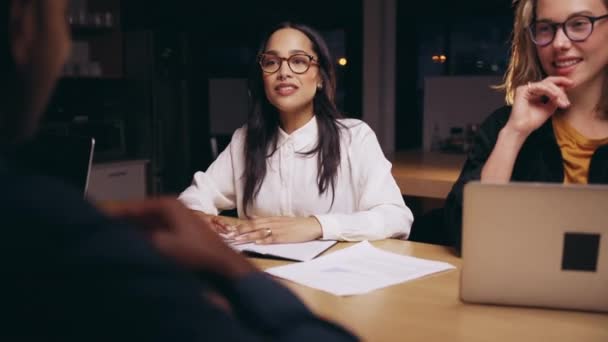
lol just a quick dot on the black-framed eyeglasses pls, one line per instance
(298, 63)
(577, 29)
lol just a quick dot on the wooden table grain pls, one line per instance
(429, 309)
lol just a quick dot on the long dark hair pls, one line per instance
(263, 122)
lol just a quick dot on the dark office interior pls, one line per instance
(465, 203)
(143, 91)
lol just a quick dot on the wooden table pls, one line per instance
(426, 174)
(429, 309)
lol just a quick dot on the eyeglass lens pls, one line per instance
(575, 28)
(297, 63)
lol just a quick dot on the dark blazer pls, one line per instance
(539, 160)
(71, 274)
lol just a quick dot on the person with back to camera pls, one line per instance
(298, 171)
(556, 129)
(152, 272)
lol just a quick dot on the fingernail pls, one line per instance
(240, 237)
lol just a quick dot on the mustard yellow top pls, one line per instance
(576, 150)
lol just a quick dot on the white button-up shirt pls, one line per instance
(368, 204)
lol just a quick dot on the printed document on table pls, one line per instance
(358, 269)
(302, 251)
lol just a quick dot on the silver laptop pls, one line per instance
(90, 143)
(530, 244)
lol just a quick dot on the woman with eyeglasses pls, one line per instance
(556, 127)
(298, 171)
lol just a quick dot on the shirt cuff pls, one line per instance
(329, 226)
(194, 204)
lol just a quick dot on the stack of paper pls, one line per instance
(358, 269)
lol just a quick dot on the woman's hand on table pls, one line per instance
(269, 230)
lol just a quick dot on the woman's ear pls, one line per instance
(22, 30)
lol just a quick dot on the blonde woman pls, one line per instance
(555, 128)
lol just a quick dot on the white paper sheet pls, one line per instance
(358, 269)
(302, 251)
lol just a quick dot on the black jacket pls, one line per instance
(71, 274)
(539, 160)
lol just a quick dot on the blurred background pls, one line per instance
(161, 85)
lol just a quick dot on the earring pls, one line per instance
(320, 86)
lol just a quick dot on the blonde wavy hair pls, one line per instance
(524, 65)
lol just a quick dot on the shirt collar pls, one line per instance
(301, 137)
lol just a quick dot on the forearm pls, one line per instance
(210, 192)
(499, 166)
(381, 222)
